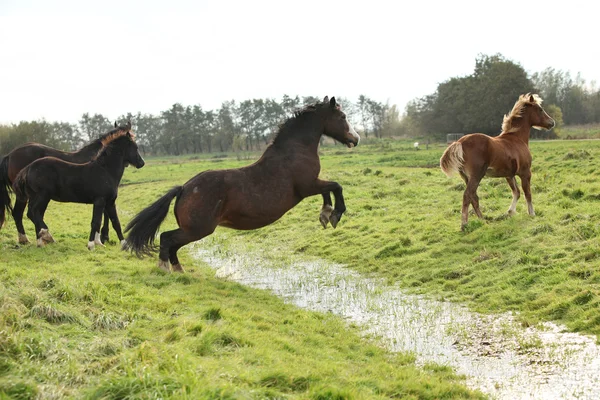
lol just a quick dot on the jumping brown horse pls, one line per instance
(250, 197)
(507, 155)
(95, 182)
(24, 155)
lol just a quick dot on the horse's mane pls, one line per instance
(298, 117)
(517, 111)
(110, 137)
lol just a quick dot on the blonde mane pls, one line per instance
(113, 135)
(517, 111)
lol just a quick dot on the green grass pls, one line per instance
(106, 325)
(403, 224)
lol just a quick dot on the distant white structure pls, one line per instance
(416, 145)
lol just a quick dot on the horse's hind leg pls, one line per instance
(36, 210)
(18, 211)
(526, 184)
(105, 228)
(111, 212)
(470, 197)
(172, 241)
(512, 182)
(94, 238)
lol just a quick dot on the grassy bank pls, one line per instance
(403, 224)
(106, 325)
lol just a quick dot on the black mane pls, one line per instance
(290, 126)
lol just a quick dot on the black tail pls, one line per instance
(20, 183)
(143, 228)
(5, 189)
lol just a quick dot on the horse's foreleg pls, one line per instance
(325, 188)
(94, 238)
(18, 211)
(326, 210)
(512, 182)
(111, 212)
(526, 184)
(104, 231)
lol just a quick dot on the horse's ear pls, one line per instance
(116, 124)
(332, 102)
(531, 99)
(128, 126)
(326, 100)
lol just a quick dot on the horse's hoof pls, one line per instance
(335, 219)
(40, 242)
(123, 244)
(324, 220)
(511, 213)
(91, 245)
(104, 239)
(164, 265)
(97, 240)
(46, 236)
(325, 215)
(177, 268)
(23, 239)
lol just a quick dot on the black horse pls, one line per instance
(24, 155)
(95, 182)
(250, 197)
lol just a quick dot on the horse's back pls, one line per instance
(24, 155)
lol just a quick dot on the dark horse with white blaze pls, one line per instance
(507, 155)
(95, 182)
(250, 197)
(24, 155)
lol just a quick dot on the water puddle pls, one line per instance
(496, 354)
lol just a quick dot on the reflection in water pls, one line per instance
(494, 352)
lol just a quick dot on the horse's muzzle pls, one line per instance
(140, 163)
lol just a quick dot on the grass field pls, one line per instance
(104, 324)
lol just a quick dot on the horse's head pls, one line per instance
(538, 118)
(336, 124)
(132, 152)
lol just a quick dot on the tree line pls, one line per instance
(184, 129)
(477, 102)
(473, 103)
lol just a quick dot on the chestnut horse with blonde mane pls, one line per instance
(507, 155)
(250, 197)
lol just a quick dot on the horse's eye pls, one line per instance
(343, 116)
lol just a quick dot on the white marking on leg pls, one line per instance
(164, 265)
(123, 244)
(530, 208)
(513, 207)
(91, 245)
(97, 240)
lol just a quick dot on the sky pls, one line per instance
(60, 59)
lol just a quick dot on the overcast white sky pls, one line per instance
(59, 59)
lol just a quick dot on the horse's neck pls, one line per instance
(112, 161)
(86, 153)
(524, 126)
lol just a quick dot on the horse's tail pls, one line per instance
(453, 159)
(20, 184)
(5, 189)
(144, 226)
